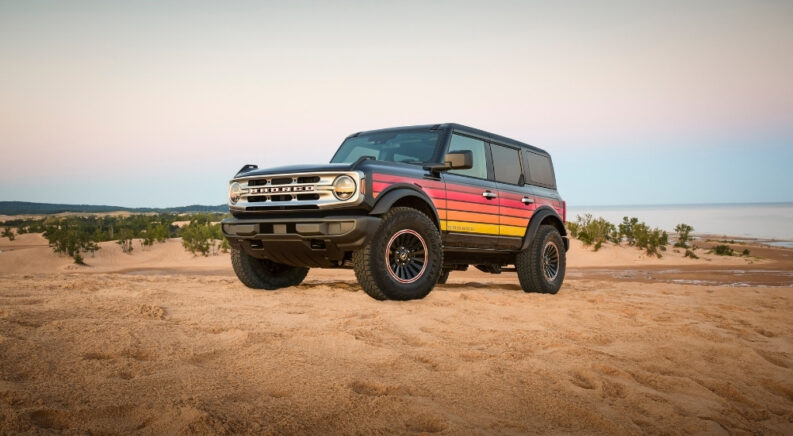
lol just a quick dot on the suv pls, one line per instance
(403, 207)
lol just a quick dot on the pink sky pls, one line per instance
(166, 92)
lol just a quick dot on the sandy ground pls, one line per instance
(160, 342)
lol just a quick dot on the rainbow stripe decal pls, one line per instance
(462, 208)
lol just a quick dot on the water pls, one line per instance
(765, 221)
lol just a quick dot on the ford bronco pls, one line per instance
(403, 207)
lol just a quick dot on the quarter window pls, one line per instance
(540, 169)
(477, 149)
(506, 164)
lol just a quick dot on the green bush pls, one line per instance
(626, 230)
(650, 239)
(691, 254)
(593, 231)
(572, 228)
(125, 241)
(722, 250)
(683, 231)
(7, 233)
(746, 252)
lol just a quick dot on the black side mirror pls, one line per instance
(459, 160)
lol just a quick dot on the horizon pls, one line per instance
(157, 104)
(569, 206)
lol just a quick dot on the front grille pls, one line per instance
(292, 191)
(308, 179)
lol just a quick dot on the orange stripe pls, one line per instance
(472, 207)
(513, 221)
(471, 217)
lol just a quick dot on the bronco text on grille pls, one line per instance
(403, 207)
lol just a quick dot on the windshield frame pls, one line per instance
(439, 147)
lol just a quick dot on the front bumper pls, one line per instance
(311, 242)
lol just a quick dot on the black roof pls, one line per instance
(462, 129)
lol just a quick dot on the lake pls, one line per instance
(764, 220)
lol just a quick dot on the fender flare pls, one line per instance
(399, 191)
(544, 213)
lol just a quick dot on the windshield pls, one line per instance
(414, 147)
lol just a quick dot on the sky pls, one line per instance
(159, 103)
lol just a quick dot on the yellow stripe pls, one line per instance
(487, 229)
(512, 231)
(466, 227)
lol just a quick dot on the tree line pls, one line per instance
(77, 236)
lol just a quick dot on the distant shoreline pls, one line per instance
(680, 205)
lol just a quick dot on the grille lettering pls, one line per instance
(280, 189)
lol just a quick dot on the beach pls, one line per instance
(159, 341)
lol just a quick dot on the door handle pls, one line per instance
(527, 200)
(489, 195)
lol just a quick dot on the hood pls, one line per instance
(289, 169)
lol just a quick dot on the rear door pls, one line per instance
(515, 199)
(540, 175)
(471, 216)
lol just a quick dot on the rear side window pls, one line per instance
(506, 164)
(540, 170)
(477, 148)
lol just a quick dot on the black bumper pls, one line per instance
(311, 242)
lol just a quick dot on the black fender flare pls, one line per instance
(548, 215)
(397, 192)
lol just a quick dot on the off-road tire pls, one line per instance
(263, 273)
(374, 274)
(529, 262)
(444, 276)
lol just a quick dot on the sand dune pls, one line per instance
(173, 347)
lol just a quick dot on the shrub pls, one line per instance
(70, 238)
(745, 252)
(683, 231)
(7, 233)
(722, 250)
(125, 240)
(690, 254)
(198, 238)
(650, 239)
(594, 231)
(78, 259)
(572, 228)
(626, 229)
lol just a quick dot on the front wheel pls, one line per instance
(403, 259)
(541, 266)
(444, 276)
(264, 273)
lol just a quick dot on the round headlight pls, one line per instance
(344, 187)
(235, 192)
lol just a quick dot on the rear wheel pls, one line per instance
(403, 260)
(541, 266)
(263, 273)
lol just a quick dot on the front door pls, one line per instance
(471, 216)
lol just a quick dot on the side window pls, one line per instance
(477, 148)
(540, 170)
(506, 164)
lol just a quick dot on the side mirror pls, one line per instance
(459, 160)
